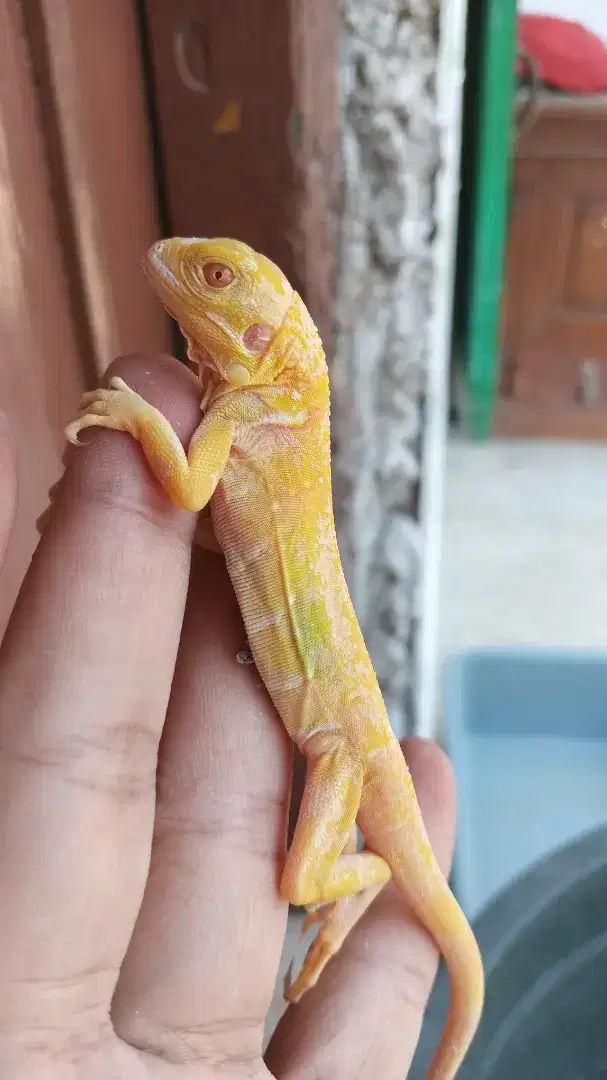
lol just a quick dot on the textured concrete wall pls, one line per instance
(390, 158)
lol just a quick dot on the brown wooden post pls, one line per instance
(247, 103)
(78, 211)
(89, 70)
(41, 376)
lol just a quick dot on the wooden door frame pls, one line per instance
(93, 101)
(79, 210)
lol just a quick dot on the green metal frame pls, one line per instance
(490, 218)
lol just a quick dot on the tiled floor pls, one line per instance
(525, 550)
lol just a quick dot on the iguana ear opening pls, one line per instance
(257, 337)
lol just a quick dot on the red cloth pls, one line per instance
(569, 57)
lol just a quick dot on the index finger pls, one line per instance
(85, 674)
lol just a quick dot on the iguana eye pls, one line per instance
(218, 275)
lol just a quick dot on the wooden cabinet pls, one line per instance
(554, 339)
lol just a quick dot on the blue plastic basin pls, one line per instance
(526, 729)
(544, 945)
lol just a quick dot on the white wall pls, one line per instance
(592, 13)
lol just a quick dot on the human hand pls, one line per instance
(140, 923)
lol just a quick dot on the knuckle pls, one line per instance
(119, 761)
(217, 1043)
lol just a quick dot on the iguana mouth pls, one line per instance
(157, 268)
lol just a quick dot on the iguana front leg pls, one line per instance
(190, 480)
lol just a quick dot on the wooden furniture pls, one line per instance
(553, 378)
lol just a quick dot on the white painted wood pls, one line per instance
(450, 84)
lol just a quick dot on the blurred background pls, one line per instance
(432, 176)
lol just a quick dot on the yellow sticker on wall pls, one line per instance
(230, 119)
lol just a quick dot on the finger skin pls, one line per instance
(201, 968)
(363, 1019)
(85, 674)
(8, 487)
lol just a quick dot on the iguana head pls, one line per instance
(228, 299)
